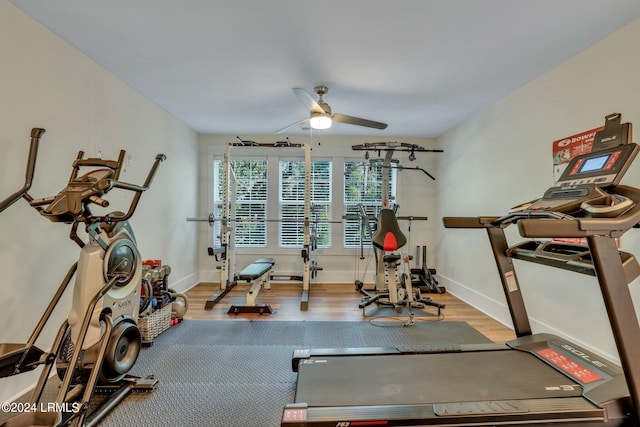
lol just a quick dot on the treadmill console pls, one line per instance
(603, 168)
(582, 188)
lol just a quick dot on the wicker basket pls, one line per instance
(154, 324)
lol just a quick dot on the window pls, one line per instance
(363, 190)
(249, 204)
(292, 201)
(254, 195)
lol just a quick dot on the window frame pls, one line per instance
(323, 230)
(353, 232)
(336, 210)
(254, 232)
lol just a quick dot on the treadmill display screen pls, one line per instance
(571, 367)
(604, 168)
(594, 164)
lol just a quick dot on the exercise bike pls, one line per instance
(99, 342)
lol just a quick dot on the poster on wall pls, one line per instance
(567, 148)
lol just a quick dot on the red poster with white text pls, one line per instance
(567, 148)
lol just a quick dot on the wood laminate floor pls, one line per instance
(330, 302)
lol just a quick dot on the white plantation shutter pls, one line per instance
(363, 186)
(292, 199)
(217, 200)
(250, 202)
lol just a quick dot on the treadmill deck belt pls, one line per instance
(429, 378)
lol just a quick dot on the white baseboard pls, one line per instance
(492, 308)
(500, 312)
(185, 283)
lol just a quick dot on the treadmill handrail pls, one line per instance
(584, 227)
(469, 221)
(543, 224)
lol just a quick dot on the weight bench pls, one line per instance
(256, 273)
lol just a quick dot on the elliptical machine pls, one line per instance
(100, 341)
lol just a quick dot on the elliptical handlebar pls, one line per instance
(114, 183)
(36, 134)
(71, 205)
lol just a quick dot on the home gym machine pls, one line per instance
(388, 238)
(100, 341)
(259, 271)
(536, 379)
(386, 289)
(423, 277)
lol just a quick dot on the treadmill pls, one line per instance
(535, 379)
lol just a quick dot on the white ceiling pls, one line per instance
(422, 66)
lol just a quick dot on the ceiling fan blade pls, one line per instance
(292, 126)
(342, 118)
(308, 100)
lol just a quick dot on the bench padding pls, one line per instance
(256, 269)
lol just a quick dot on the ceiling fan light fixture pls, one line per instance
(320, 115)
(320, 121)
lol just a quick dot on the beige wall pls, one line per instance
(495, 160)
(502, 157)
(44, 82)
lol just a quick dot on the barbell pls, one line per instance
(211, 219)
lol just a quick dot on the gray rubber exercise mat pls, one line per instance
(237, 373)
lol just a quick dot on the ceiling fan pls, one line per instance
(320, 116)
